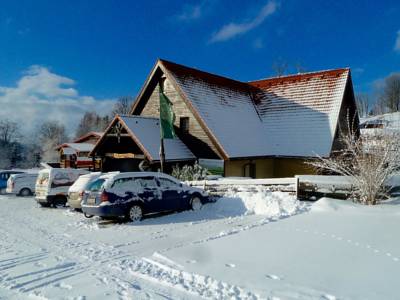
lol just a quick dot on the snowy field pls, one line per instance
(259, 246)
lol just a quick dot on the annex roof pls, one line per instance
(84, 137)
(293, 115)
(146, 132)
(75, 147)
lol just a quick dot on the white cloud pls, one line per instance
(41, 95)
(232, 30)
(397, 43)
(191, 12)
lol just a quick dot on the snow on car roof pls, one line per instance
(137, 174)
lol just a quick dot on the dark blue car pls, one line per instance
(134, 194)
(4, 175)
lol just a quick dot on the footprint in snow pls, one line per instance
(328, 297)
(273, 277)
(230, 265)
(63, 285)
(191, 261)
(40, 264)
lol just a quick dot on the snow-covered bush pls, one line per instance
(189, 173)
(368, 163)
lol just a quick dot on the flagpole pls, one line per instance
(162, 155)
(162, 151)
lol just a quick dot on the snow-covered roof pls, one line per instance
(95, 134)
(286, 116)
(78, 147)
(300, 112)
(146, 133)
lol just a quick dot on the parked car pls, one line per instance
(76, 191)
(134, 194)
(22, 184)
(4, 175)
(52, 185)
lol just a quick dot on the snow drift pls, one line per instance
(259, 201)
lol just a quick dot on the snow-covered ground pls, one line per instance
(245, 246)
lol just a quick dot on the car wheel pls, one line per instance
(195, 203)
(25, 192)
(59, 201)
(135, 213)
(44, 204)
(88, 216)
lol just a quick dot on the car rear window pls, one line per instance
(96, 185)
(146, 182)
(166, 183)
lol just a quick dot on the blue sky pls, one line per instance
(101, 50)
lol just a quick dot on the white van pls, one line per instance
(22, 184)
(76, 190)
(52, 185)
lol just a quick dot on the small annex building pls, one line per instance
(76, 153)
(262, 129)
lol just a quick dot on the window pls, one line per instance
(184, 124)
(120, 181)
(147, 182)
(96, 185)
(166, 183)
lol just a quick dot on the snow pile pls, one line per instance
(259, 201)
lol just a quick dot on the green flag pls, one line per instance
(167, 117)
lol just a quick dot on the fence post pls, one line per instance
(297, 187)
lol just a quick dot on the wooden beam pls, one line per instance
(116, 135)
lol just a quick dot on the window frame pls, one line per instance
(184, 124)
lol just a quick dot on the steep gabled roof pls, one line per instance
(294, 115)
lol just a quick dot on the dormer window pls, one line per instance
(184, 124)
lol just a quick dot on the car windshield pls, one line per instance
(96, 185)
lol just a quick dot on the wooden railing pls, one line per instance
(221, 186)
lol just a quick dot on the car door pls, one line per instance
(150, 194)
(171, 194)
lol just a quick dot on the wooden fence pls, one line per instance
(221, 186)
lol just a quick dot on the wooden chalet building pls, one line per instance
(76, 154)
(264, 128)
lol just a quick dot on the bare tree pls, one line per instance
(362, 101)
(123, 106)
(390, 94)
(280, 67)
(368, 161)
(51, 134)
(300, 68)
(91, 121)
(9, 131)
